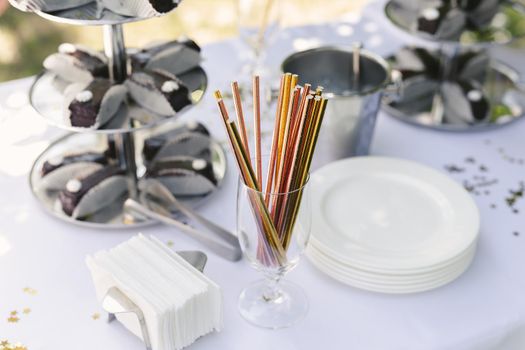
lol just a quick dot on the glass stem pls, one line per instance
(273, 291)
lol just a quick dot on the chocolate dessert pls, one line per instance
(93, 105)
(86, 195)
(153, 144)
(184, 176)
(53, 164)
(158, 91)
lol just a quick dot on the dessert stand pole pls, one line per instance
(115, 50)
(117, 137)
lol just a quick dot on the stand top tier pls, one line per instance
(507, 25)
(84, 15)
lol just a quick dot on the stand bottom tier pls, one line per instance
(113, 215)
(501, 81)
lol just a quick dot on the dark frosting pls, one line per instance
(181, 167)
(84, 114)
(178, 99)
(74, 158)
(70, 200)
(93, 64)
(153, 144)
(480, 108)
(432, 26)
(141, 58)
(163, 6)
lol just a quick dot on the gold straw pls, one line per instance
(257, 129)
(275, 140)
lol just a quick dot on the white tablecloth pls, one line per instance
(483, 309)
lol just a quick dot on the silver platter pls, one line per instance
(501, 79)
(47, 100)
(510, 30)
(86, 15)
(112, 216)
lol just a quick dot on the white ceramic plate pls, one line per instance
(321, 258)
(345, 273)
(390, 214)
(312, 245)
(397, 289)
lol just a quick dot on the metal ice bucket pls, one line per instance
(355, 81)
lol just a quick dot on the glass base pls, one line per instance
(284, 308)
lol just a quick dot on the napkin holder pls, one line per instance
(117, 304)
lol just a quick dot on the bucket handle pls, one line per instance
(394, 89)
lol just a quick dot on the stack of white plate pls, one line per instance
(390, 225)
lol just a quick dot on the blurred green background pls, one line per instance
(27, 39)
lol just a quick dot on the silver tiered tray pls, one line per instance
(429, 112)
(48, 102)
(113, 215)
(506, 27)
(123, 131)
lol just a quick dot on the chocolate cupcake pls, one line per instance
(76, 63)
(94, 104)
(176, 57)
(88, 194)
(465, 102)
(443, 21)
(158, 91)
(184, 176)
(53, 164)
(154, 144)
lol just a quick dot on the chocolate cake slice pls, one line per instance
(153, 144)
(158, 91)
(185, 176)
(86, 195)
(443, 21)
(465, 102)
(53, 164)
(176, 56)
(77, 63)
(94, 104)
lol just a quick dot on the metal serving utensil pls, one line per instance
(157, 202)
(117, 303)
(164, 196)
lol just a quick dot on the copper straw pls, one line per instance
(257, 129)
(240, 116)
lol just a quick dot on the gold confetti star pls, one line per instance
(169, 243)
(13, 319)
(18, 346)
(30, 291)
(26, 310)
(13, 313)
(95, 316)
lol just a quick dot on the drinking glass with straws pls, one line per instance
(273, 202)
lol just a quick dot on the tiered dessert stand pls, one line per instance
(126, 131)
(500, 78)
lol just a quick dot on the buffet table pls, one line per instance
(47, 300)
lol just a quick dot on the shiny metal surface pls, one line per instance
(85, 15)
(404, 18)
(113, 216)
(48, 102)
(500, 79)
(227, 249)
(354, 100)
